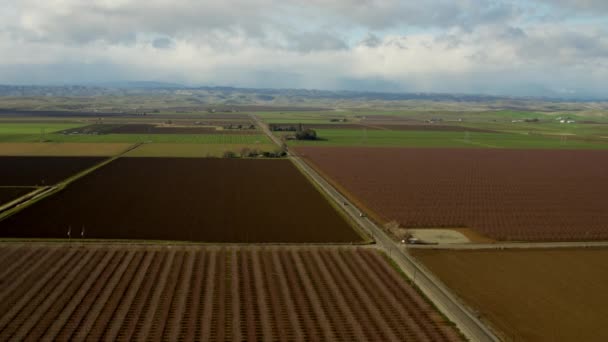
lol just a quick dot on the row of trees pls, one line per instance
(254, 153)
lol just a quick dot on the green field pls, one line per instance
(135, 138)
(195, 150)
(350, 137)
(9, 128)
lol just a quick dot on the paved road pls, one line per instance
(428, 284)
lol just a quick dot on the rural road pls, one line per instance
(470, 325)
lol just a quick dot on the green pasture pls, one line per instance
(135, 138)
(9, 128)
(387, 138)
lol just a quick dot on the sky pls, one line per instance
(517, 48)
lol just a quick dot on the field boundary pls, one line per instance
(51, 190)
(441, 296)
(366, 238)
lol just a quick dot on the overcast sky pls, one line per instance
(525, 47)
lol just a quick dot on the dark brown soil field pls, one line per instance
(9, 194)
(219, 294)
(153, 129)
(211, 200)
(530, 295)
(531, 195)
(17, 171)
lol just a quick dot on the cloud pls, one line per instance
(591, 6)
(162, 43)
(445, 45)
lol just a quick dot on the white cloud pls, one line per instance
(455, 46)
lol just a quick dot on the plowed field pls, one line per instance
(15, 171)
(187, 293)
(505, 194)
(210, 200)
(530, 295)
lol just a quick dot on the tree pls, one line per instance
(245, 152)
(306, 134)
(229, 154)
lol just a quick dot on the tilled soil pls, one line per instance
(532, 195)
(188, 199)
(209, 293)
(530, 295)
(19, 171)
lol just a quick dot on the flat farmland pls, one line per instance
(62, 149)
(210, 293)
(8, 194)
(153, 129)
(528, 195)
(195, 150)
(473, 138)
(153, 138)
(207, 200)
(530, 295)
(17, 171)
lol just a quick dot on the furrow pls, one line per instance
(218, 321)
(161, 315)
(133, 317)
(207, 314)
(190, 322)
(361, 312)
(336, 295)
(283, 291)
(261, 297)
(32, 319)
(402, 310)
(118, 318)
(178, 305)
(32, 273)
(108, 313)
(236, 299)
(313, 297)
(73, 323)
(75, 301)
(151, 305)
(368, 297)
(39, 283)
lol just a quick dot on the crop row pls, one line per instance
(505, 194)
(189, 293)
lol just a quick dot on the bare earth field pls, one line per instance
(16, 171)
(206, 200)
(530, 295)
(531, 195)
(62, 149)
(211, 293)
